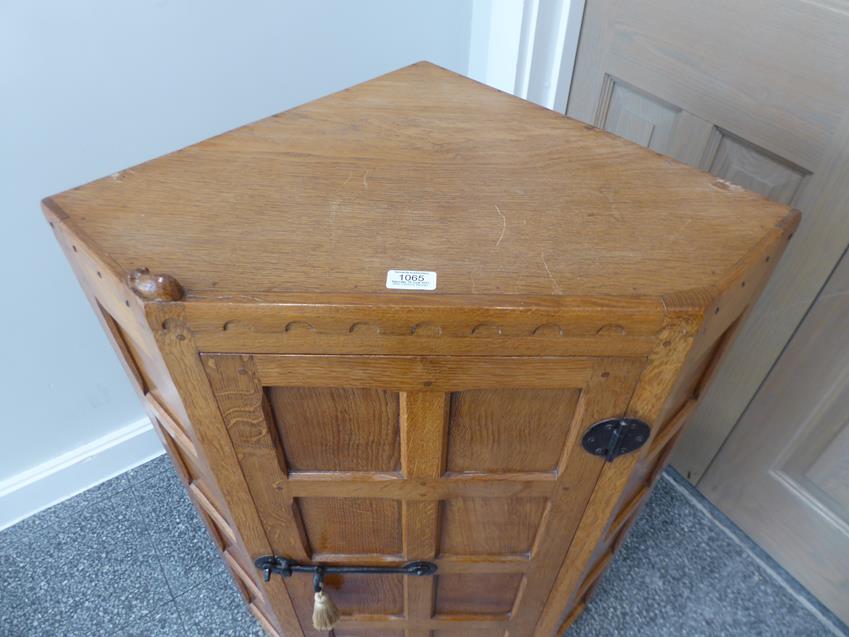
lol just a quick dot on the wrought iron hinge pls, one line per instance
(285, 567)
(614, 437)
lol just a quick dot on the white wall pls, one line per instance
(93, 86)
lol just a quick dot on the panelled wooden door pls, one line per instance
(784, 474)
(474, 463)
(756, 94)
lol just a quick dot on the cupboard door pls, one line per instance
(473, 463)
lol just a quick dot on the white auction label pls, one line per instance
(410, 280)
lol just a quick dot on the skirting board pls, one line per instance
(73, 472)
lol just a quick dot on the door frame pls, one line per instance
(527, 49)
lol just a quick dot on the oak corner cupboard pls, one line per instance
(419, 347)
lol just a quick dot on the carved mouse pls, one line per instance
(154, 287)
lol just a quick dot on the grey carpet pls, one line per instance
(130, 557)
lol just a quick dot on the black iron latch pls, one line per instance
(285, 567)
(614, 437)
(325, 613)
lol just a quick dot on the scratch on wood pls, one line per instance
(610, 193)
(365, 180)
(554, 282)
(679, 232)
(503, 226)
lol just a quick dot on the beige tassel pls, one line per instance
(325, 614)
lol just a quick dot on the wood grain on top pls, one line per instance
(421, 169)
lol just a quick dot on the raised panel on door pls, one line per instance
(818, 464)
(744, 164)
(645, 119)
(472, 463)
(636, 116)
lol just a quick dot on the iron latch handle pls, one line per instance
(285, 567)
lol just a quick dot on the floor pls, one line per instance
(129, 557)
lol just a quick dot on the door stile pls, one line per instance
(247, 417)
(647, 403)
(424, 430)
(605, 395)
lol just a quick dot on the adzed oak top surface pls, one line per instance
(422, 169)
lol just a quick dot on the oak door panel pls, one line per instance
(351, 525)
(471, 593)
(337, 429)
(360, 594)
(490, 526)
(474, 464)
(508, 430)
